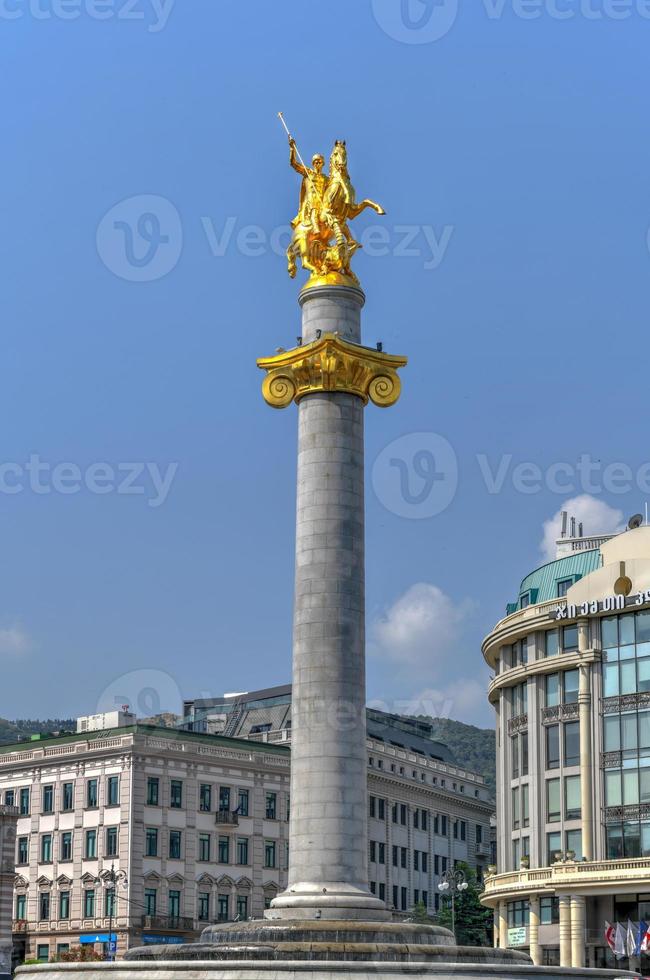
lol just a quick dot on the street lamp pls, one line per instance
(452, 883)
(110, 880)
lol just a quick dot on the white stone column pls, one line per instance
(328, 858)
(533, 931)
(565, 930)
(586, 761)
(577, 930)
(503, 925)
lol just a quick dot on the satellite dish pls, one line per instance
(635, 522)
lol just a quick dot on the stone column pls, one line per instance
(328, 856)
(565, 930)
(503, 925)
(586, 762)
(533, 931)
(577, 930)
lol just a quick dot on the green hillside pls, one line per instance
(472, 747)
(24, 728)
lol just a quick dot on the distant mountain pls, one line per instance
(474, 748)
(23, 728)
(166, 719)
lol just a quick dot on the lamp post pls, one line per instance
(452, 883)
(110, 880)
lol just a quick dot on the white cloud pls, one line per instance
(14, 641)
(596, 516)
(421, 628)
(464, 699)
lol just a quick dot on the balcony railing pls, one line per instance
(19, 925)
(568, 874)
(557, 712)
(168, 923)
(227, 818)
(518, 724)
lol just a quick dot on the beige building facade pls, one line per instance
(8, 820)
(571, 693)
(149, 834)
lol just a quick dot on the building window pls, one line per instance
(549, 911)
(10, 797)
(553, 747)
(176, 794)
(224, 798)
(89, 904)
(67, 799)
(404, 898)
(571, 680)
(271, 806)
(552, 643)
(223, 913)
(570, 638)
(269, 854)
(204, 907)
(43, 952)
(516, 853)
(48, 798)
(424, 819)
(46, 848)
(24, 802)
(23, 850)
(404, 858)
(174, 904)
(518, 914)
(563, 587)
(242, 850)
(515, 810)
(381, 853)
(204, 847)
(552, 684)
(572, 743)
(92, 795)
(151, 842)
(175, 844)
(524, 600)
(224, 850)
(553, 846)
(153, 791)
(21, 907)
(111, 842)
(572, 808)
(113, 791)
(242, 907)
(525, 806)
(44, 906)
(574, 843)
(109, 902)
(403, 814)
(382, 891)
(205, 797)
(150, 901)
(66, 845)
(553, 812)
(91, 845)
(372, 807)
(514, 749)
(242, 806)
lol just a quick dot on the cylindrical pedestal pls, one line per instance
(328, 858)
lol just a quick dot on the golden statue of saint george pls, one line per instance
(321, 237)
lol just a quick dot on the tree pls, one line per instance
(473, 920)
(419, 914)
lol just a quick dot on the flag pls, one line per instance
(619, 940)
(644, 933)
(609, 935)
(631, 938)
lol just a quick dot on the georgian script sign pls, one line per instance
(611, 603)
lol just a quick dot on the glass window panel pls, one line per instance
(625, 630)
(572, 797)
(631, 787)
(571, 684)
(552, 690)
(628, 677)
(524, 754)
(609, 632)
(644, 729)
(615, 842)
(644, 674)
(613, 788)
(610, 680)
(644, 781)
(553, 747)
(553, 800)
(627, 653)
(572, 743)
(515, 808)
(574, 843)
(570, 637)
(514, 742)
(612, 733)
(628, 726)
(643, 649)
(642, 626)
(632, 840)
(552, 642)
(645, 839)
(525, 805)
(553, 844)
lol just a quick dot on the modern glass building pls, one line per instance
(571, 691)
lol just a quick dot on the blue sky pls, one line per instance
(508, 142)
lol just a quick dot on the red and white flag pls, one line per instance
(610, 933)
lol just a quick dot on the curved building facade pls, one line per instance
(571, 691)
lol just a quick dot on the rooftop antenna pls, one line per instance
(564, 516)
